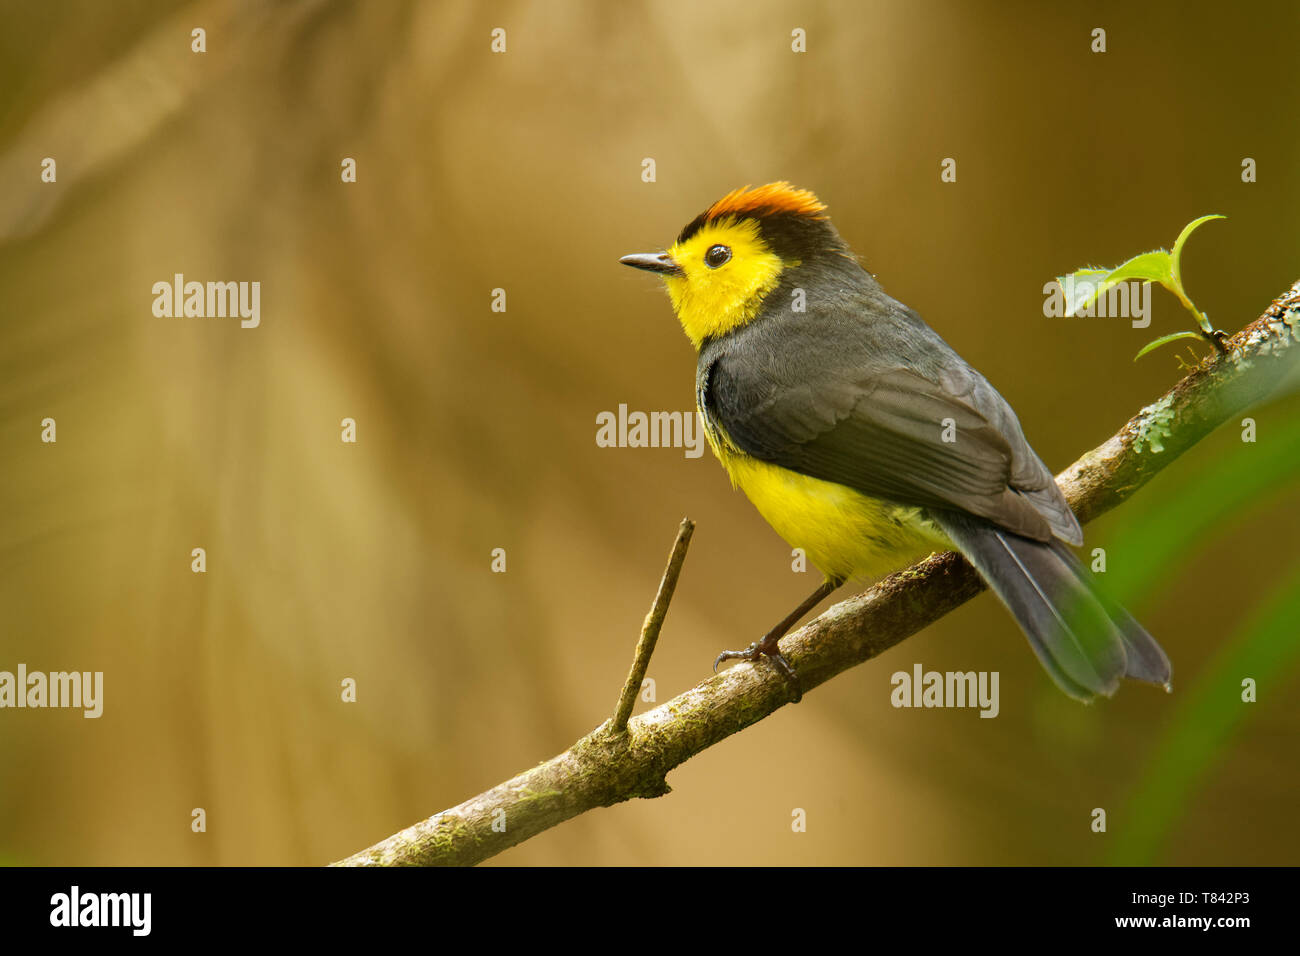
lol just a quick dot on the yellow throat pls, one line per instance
(711, 302)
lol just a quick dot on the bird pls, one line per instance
(864, 439)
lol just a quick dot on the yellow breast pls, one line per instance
(843, 532)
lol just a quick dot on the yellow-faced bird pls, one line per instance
(864, 439)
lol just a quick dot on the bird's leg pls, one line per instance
(769, 645)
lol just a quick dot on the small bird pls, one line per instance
(864, 439)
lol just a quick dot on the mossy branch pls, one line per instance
(611, 765)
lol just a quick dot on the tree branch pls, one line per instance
(650, 629)
(611, 764)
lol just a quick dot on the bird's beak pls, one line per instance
(653, 262)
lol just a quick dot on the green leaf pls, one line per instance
(1084, 286)
(1079, 288)
(1150, 266)
(1178, 245)
(1165, 340)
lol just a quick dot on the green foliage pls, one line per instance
(1165, 340)
(1205, 720)
(1208, 711)
(1083, 286)
(1167, 531)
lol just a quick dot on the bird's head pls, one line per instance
(732, 256)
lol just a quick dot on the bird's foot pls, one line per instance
(768, 647)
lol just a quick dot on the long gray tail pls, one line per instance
(1085, 641)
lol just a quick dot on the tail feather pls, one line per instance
(1070, 633)
(1147, 660)
(1084, 641)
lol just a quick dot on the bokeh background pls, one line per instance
(476, 429)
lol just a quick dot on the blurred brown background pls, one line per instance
(477, 429)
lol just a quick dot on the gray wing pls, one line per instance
(792, 391)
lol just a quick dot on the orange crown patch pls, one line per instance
(766, 201)
(759, 201)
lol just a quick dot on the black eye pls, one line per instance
(717, 255)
